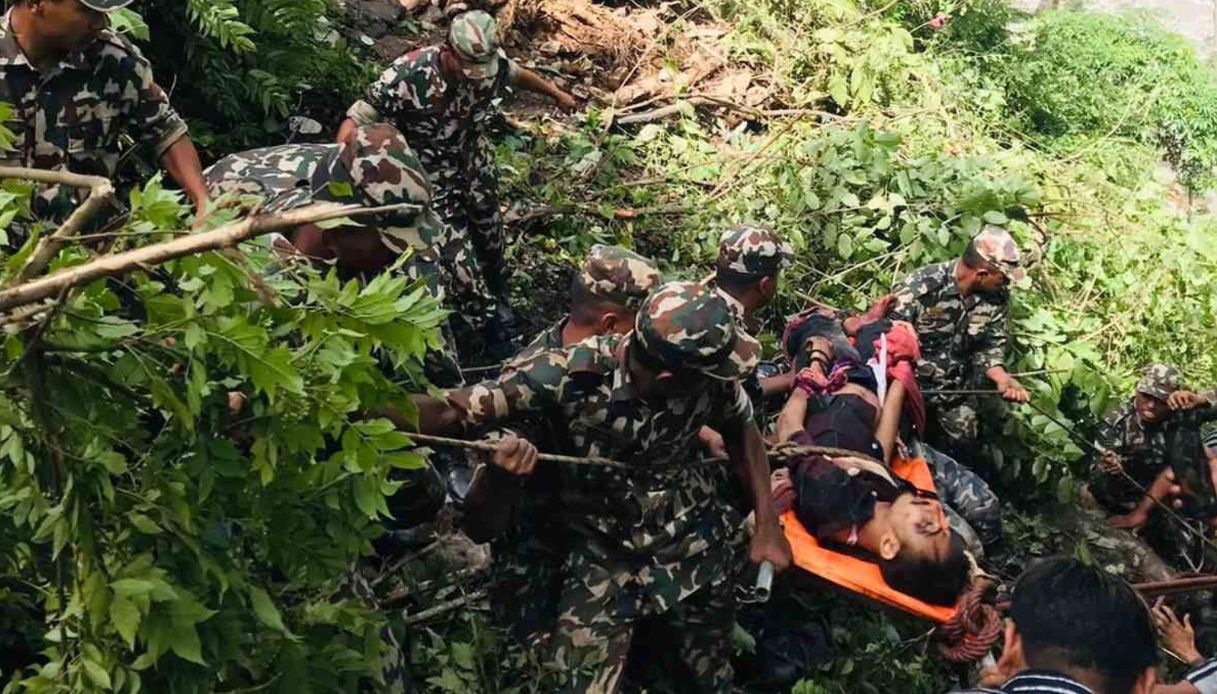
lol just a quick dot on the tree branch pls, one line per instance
(101, 191)
(224, 237)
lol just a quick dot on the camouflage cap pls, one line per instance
(687, 326)
(106, 5)
(475, 39)
(997, 247)
(379, 169)
(1159, 381)
(619, 275)
(752, 250)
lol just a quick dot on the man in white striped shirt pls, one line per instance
(1074, 629)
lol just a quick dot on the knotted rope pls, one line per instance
(975, 628)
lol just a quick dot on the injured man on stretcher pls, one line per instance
(856, 403)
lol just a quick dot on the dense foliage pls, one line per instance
(240, 69)
(175, 539)
(151, 537)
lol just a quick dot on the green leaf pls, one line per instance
(845, 246)
(130, 587)
(184, 641)
(144, 524)
(96, 673)
(126, 618)
(265, 610)
(462, 655)
(367, 496)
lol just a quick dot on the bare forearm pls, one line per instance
(530, 81)
(998, 374)
(182, 163)
(435, 417)
(889, 420)
(776, 385)
(792, 416)
(345, 130)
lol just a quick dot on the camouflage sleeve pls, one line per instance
(404, 84)
(152, 119)
(532, 387)
(737, 412)
(908, 306)
(1111, 433)
(988, 325)
(964, 491)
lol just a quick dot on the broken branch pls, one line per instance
(101, 191)
(224, 237)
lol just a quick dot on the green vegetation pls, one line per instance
(240, 68)
(151, 540)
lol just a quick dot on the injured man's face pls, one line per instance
(920, 525)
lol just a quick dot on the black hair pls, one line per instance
(1070, 614)
(938, 582)
(973, 259)
(730, 279)
(586, 307)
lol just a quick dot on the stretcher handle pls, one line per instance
(764, 581)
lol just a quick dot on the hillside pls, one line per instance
(149, 539)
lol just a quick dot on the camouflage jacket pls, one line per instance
(659, 529)
(71, 115)
(751, 384)
(1146, 449)
(441, 119)
(960, 337)
(549, 339)
(290, 176)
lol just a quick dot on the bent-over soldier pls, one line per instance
(656, 538)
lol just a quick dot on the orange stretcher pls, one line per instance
(858, 575)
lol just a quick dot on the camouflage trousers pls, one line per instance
(594, 635)
(393, 659)
(957, 420)
(966, 493)
(526, 573)
(467, 201)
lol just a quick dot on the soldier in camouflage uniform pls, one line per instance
(1151, 432)
(529, 552)
(747, 276)
(76, 89)
(961, 310)
(656, 538)
(374, 167)
(443, 97)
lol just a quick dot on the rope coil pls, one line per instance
(975, 628)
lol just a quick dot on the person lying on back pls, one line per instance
(851, 390)
(850, 499)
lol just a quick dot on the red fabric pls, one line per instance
(814, 383)
(903, 353)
